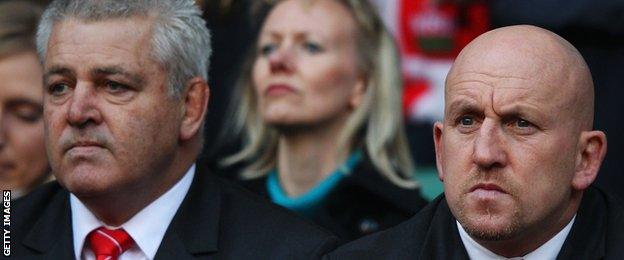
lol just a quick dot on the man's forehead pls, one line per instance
(505, 62)
(117, 43)
(124, 33)
(483, 83)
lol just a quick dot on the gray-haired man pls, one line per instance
(124, 103)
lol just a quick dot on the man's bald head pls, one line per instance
(516, 150)
(530, 51)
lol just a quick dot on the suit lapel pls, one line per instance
(52, 235)
(586, 240)
(442, 240)
(194, 229)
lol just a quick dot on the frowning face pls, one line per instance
(110, 123)
(508, 148)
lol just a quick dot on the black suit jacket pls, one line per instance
(216, 220)
(597, 233)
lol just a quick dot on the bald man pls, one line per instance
(517, 156)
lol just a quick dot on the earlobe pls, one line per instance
(195, 107)
(592, 150)
(439, 148)
(357, 96)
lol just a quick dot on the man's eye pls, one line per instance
(115, 87)
(466, 121)
(312, 47)
(58, 89)
(267, 49)
(522, 123)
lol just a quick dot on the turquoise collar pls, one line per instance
(307, 203)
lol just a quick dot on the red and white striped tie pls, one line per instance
(109, 244)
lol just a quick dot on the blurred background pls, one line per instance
(430, 33)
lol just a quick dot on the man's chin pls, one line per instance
(490, 227)
(87, 180)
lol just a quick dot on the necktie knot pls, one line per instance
(109, 244)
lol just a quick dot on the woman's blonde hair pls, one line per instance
(376, 124)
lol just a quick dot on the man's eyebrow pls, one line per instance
(116, 70)
(57, 70)
(463, 106)
(521, 110)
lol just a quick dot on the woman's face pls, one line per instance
(306, 70)
(23, 161)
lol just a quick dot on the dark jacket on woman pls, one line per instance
(362, 203)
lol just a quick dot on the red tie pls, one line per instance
(109, 244)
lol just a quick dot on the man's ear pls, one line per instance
(195, 100)
(591, 151)
(439, 147)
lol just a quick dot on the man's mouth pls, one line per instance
(84, 146)
(486, 190)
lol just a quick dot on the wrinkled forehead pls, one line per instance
(535, 67)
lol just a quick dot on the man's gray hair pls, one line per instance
(180, 40)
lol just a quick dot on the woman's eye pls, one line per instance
(312, 47)
(28, 115)
(267, 49)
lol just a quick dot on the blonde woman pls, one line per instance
(320, 111)
(23, 161)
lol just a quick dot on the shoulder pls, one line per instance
(598, 231)
(370, 182)
(400, 242)
(28, 209)
(249, 222)
(256, 185)
(613, 211)
(39, 219)
(365, 202)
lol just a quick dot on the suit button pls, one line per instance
(368, 226)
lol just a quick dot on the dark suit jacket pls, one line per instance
(362, 203)
(597, 233)
(216, 220)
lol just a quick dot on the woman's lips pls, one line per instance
(279, 89)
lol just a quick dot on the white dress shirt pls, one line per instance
(147, 227)
(547, 251)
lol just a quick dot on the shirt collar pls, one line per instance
(147, 227)
(548, 250)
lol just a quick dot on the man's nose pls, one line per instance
(83, 107)
(489, 148)
(282, 60)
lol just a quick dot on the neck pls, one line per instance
(305, 158)
(531, 239)
(121, 204)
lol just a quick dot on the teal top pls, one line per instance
(307, 203)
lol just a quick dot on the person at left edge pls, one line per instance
(124, 101)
